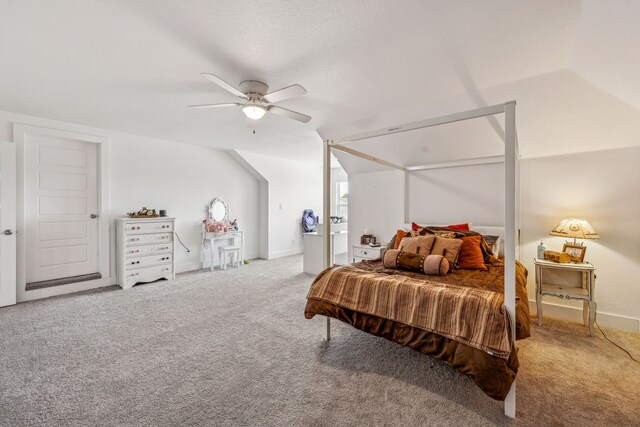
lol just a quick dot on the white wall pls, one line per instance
(160, 174)
(602, 187)
(292, 188)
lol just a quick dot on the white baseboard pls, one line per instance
(190, 266)
(574, 314)
(284, 253)
(63, 289)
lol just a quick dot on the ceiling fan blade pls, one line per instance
(285, 93)
(290, 114)
(233, 104)
(224, 85)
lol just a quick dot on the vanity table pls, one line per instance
(232, 239)
(235, 237)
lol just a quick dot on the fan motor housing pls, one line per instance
(253, 88)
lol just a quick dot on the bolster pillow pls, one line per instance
(434, 265)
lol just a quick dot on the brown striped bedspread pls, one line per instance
(459, 317)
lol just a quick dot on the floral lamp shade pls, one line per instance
(574, 228)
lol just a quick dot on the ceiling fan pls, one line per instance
(258, 101)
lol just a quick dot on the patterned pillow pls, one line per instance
(427, 264)
(448, 248)
(420, 245)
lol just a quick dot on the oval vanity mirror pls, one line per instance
(218, 211)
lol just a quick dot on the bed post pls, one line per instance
(406, 196)
(326, 213)
(511, 234)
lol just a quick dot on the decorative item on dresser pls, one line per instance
(365, 252)
(145, 250)
(567, 281)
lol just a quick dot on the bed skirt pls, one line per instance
(494, 375)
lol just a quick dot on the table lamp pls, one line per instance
(576, 228)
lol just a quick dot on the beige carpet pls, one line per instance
(233, 348)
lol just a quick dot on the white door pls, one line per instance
(61, 201)
(7, 223)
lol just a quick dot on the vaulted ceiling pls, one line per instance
(134, 66)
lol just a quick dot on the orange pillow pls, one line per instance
(470, 256)
(399, 235)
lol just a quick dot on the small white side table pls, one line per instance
(365, 252)
(567, 281)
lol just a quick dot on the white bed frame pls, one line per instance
(511, 194)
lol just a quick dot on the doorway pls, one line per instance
(63, 245)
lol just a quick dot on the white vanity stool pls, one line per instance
(232, 250)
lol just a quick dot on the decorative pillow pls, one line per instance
(420, 245)
(464, 226)
(470, 256)
(446, 234)
(448, 248)
(435, 265)
(494, 244)
(399, 236)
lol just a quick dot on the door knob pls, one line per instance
(8, 232)
(94, 216)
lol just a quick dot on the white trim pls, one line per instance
(284, 253)
(104, 266)
(8, 291)
(65, 289)
(574, 314)
(449, 118)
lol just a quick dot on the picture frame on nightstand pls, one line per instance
(575, 251)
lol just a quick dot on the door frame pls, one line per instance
(8, 162)
(20, 130)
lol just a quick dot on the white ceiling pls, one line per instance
(134, 66)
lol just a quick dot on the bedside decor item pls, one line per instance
(575, 251)
(366, 239)
(143, 213)
(578, 229)
(163, 212)
(555, 256)
(541, 250)
(574, 228)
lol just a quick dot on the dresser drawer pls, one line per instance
(372, 253)
(148, 227)
(136, 251)
(142, 250)
(145, 261)
(144, 239)
(147, 274)
(163, 248)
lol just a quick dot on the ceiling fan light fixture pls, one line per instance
(254, 111)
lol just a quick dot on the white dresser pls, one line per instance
(145, 250)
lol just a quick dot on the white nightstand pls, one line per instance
(568, 281)
(364, 252)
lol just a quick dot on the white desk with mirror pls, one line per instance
(218, 233)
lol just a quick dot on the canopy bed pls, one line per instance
(489, 309)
